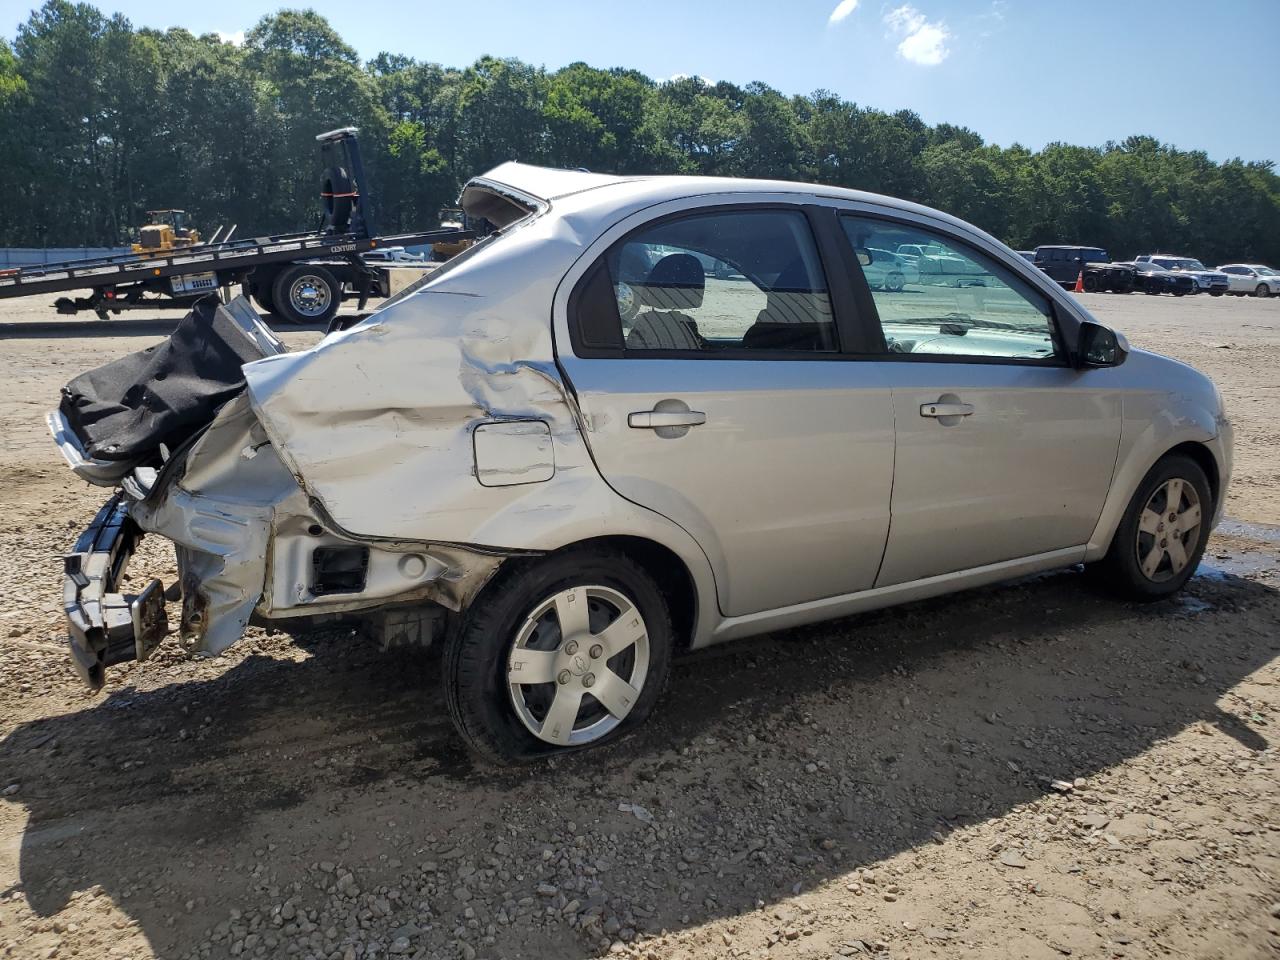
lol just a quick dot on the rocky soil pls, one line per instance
(1032, 770)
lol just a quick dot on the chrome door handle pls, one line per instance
(946, 409)
(654, 419)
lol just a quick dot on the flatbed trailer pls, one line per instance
(300, 277)
(311, 261)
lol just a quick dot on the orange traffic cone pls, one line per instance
(1079, 287)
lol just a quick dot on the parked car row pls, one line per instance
(1151, 273)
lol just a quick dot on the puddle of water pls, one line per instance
(1265, 532)
(1233, 563)
(1246, 565)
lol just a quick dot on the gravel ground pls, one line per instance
(1031, 770)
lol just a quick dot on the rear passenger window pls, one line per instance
(739, 282)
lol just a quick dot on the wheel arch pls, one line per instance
(1204, 458)
(667, 568)
(1128, 477)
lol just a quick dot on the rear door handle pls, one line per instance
(940, 409)
(653, 419)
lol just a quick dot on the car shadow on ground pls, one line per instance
(790, 758)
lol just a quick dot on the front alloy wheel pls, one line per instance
(1162, 535)
(1168, 530)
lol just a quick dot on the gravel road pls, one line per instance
(1026, 771)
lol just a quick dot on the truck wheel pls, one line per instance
(306, 293)
(1090, 284)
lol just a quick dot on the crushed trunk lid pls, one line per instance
(119, 416)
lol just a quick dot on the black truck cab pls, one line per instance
(1066, 264)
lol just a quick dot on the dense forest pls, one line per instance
(100, 121)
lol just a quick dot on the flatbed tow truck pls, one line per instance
(299, 277)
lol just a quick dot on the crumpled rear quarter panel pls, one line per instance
(376, 422)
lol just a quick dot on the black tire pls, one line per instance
(306, 293)
(475, 664)
(1120, 570)
(260, 289)
(336, 197)
(1262, 290)
(1216, 293)
(1090, 284)
(1151, 290)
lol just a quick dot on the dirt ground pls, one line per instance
(1031, 770)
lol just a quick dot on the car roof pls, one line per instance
(547, 185)
(1070, 246)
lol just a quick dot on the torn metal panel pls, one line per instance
(246, 542)
(105, 626)
(376, 422)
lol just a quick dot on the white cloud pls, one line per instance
(842, 10)
(924, 41)
(905, 19)
(236, 39)
(927, 46)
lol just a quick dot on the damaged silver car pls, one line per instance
(644, 415)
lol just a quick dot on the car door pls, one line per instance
(722, 398)
(1004, 449)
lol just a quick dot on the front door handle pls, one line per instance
(656, 419)
(941, 409)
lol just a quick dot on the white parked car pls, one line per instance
(569, 454)
(1252, 278)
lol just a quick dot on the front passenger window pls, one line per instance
(953, 301)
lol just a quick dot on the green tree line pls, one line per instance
(100, 121)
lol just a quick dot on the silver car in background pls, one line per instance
(571, 453)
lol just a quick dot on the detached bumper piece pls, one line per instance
(104, 626)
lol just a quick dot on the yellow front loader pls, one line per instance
(165, 231)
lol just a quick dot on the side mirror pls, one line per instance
(1100, 346)
(864, 256)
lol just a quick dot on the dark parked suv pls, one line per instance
(1065, 264)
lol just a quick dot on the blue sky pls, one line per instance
(1199, 75)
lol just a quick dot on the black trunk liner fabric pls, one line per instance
(125, 409)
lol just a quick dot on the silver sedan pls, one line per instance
(576, 449)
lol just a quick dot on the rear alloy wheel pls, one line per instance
(306, 293)
(1262, 291)
(1162, 535)
(560, 654)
